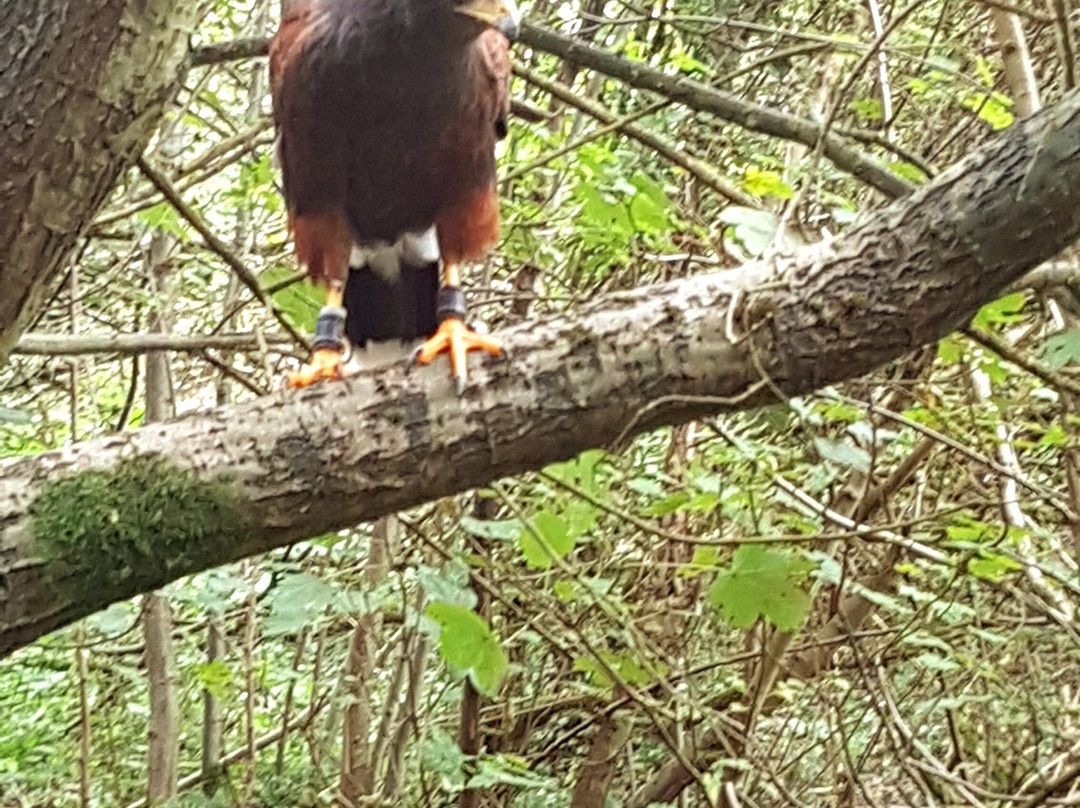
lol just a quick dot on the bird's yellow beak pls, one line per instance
(500, 14)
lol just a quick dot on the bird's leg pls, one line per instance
(453, 336)
(329, 344)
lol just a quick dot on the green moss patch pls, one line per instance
(136, 523)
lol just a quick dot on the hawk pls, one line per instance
(387, 113)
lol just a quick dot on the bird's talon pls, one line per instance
(456, 339)
(325, 363)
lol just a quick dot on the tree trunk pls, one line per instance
(82, 87)
(164, 753)
(241, 480)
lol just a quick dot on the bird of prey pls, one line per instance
(387, 113)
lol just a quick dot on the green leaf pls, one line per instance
(883, 601)
(829, 570)
(766, 183)
(450, 584)
(9, 416)
(495, 530)
(114, 621)
(649, 206)
(301, 301)
(840, 412)
(991, 637)
(763, 582)
(992, 108)
(440, 753)
(164, 217)
(843, 454)
(923, 639)
(966, 528)
(935, 663)
(297, 600)
(950, 350)
(869, 109)
(593, 671)
(627, 668)
(753, 229)
(580, 471)
(566, 591)
(468, 646)
(631, 670)
(603, 211)
(507, 770)
(1003, 311)
(1062, 349)
(705, 558)
(1055, 436)
(670, 504)
(996, 370)
(549, 541)
(908, 171)
(993, 567)
(215, 678)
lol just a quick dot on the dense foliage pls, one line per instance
(866, 596)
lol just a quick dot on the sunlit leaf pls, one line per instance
(549, 541)
(993, 567)
(763, 183)
(468, 646)
(1003, 311)
(215, 678)
(705, 558)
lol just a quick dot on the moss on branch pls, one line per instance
(134, 523)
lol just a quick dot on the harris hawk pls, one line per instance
(387, 113)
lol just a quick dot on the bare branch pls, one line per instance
(133, 344)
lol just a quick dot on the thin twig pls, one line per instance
(161, 182)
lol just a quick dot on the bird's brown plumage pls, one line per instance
(387, 114)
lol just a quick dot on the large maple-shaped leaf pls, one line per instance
(763, 582)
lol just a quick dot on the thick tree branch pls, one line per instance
(295, 465)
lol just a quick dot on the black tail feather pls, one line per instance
(378, 308)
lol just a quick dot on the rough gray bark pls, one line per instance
(82, 87)
(308, 462)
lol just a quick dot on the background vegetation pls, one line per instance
(862, 597)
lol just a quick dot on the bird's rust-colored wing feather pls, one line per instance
(310, 153)
(469, 224)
